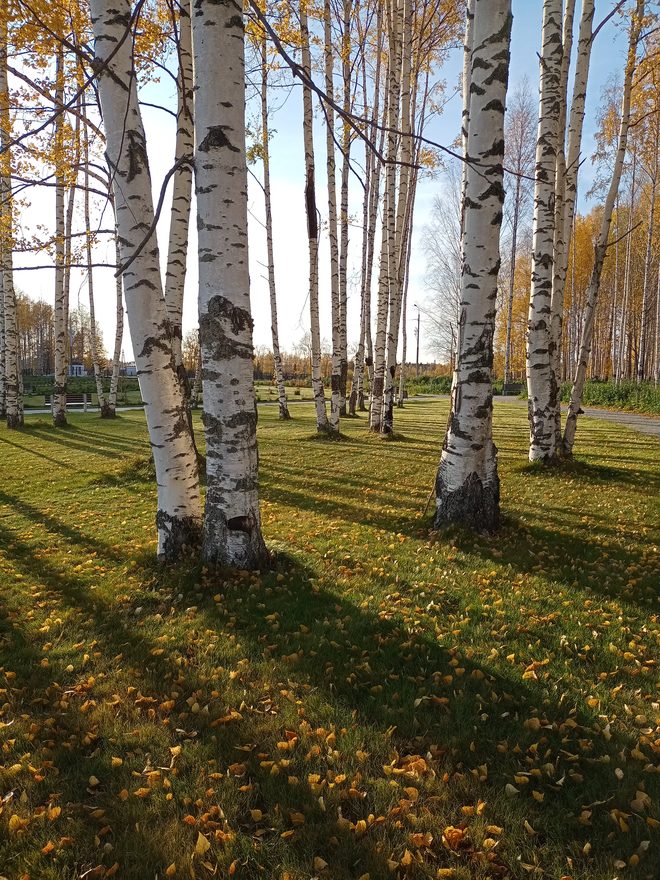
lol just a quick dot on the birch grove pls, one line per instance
(360, 92)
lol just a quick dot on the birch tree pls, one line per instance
(177, 250)
(12, 366)
(600, 249)
(178, 518)
(232, 525)
(520, 161)
(467, 484)
(566, 178)
(541, 382)
(272, 290)
(312, 227)
(61, 313)
(335, 306)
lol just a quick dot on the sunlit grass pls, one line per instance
(385, 701)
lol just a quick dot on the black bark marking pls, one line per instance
(476, 504)
(310, 205)
(137, 154)
(217, 139)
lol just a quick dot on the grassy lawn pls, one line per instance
(383, 703)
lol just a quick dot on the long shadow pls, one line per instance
(69, 438)
(576, 558)
(381, 686)
(56, 526)
(31, 451)
(595, 473)
(360, 514)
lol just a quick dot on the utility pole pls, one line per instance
(417, 335)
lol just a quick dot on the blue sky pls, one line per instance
(608, 57)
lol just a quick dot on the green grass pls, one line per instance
(278, 714)
(643, 397)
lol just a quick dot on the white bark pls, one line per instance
(179, 510)
(343, 209)
(541, 382)
(403, 218)
(103, 404)
(12, 365)
(265, 150)
(312, 228)
(566, 186)
(364, 355)
(646, 288)
(177, 250)
(119, 335)
(335, 308)
(468, 43)
(467, 485)
(61, 311)
(559, 235)
(387, 267)
(574, 407)
(232, 524)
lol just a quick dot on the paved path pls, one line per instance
(635, 421)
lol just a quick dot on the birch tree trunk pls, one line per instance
(111, 401)
(364, 355)
(265, 150)
(401, 226)
(335, 307)
(232, 523)
(312, 228)
(559, 232)
(574, 407)
(467, 485)
(468, 43)
(12, 362)
(646, 288)
(179, 510)
(387, 267)
(61, 312)
(541, 382)
(627, 272)
(343, 209)
(512, 284)
(566, 189)
(177, 250)
(103, 403)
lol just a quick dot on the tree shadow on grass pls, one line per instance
(592, 561)
(71, 438)
(595, 473)
(330, 687)
(56, 526)
(30, 451)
